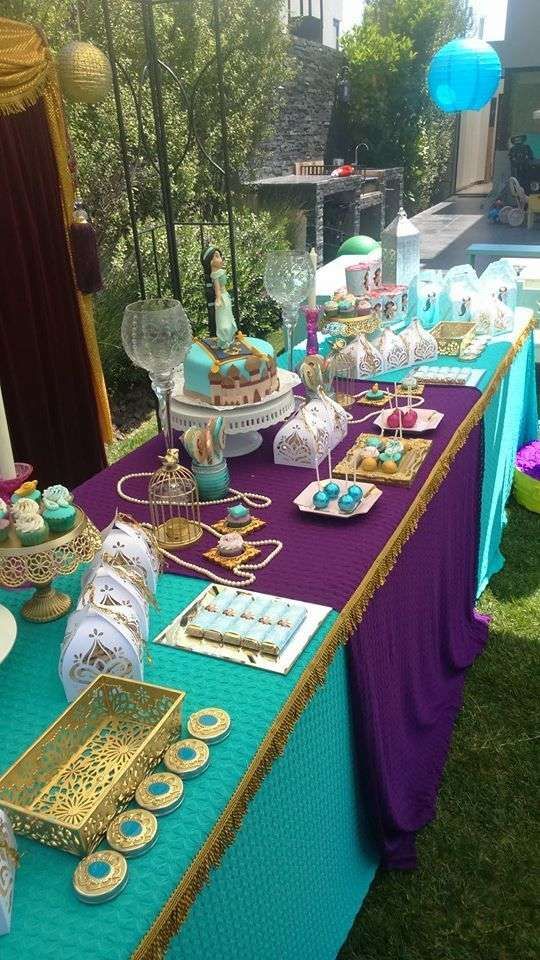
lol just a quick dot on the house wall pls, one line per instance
(305, 123)
(520, 47)
(332, 10)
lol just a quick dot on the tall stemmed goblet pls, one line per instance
(288, 277)
(156, 335)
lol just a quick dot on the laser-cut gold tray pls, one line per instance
(408, 466)
(67, 787)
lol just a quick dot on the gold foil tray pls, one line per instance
(452, 336)
(67, 787)
(408, 466)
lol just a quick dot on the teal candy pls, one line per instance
(347, 504)
(212, 479)
(331, 490)
(320, 500)
(355, 491)
(48, 919)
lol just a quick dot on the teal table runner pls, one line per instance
(511, 420)
(287, 816)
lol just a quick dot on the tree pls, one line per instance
(256, 52)
(387, 57)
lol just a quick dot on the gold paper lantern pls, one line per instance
(84, 71)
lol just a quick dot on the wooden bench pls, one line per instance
(502, 250)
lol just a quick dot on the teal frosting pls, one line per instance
(198, 364)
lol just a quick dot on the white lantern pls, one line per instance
(400, 242)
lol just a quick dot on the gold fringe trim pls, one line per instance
(155, 943)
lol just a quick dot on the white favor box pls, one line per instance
(98, 642)
(106, 587)
(122, 539)
(421, 344)
(301, 444)
(8, 867)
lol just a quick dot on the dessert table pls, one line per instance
(327, 770)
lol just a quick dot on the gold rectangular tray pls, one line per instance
(408, 467)
(67, 787)
(452, 336)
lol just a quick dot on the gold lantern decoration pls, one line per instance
(174, 504)
(84, 72)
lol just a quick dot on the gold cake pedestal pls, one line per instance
(59, 555)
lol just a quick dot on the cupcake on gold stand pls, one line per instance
(38, 565)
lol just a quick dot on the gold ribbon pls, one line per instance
(28, 72)
(10, 852)
(155, 943)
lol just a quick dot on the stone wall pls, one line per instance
(305, 127)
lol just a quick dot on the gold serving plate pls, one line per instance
(60, 554)
(408, 466)
(68, 786)
(452, 336)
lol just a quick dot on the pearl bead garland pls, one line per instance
(242, 570)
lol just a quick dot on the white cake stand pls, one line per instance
(242, 423)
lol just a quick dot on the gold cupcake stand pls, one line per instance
(59, 555)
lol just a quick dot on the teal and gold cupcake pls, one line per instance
(4, 529)
(31, 529)
(330, 309)
(3, 509)
(27, 491)
(58, 511)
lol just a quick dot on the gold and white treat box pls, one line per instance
(8, 866)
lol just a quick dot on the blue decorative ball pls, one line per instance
(332, 490)
(355, 492)
(464, 75)
(347, 504)
(320, 500)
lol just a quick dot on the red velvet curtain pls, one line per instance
(44, 369)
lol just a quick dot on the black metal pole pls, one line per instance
(123, 144)
(161, 140)
(226, 156)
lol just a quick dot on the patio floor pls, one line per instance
(448, 228)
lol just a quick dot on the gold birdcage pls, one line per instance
(344, 370)
(174, 504)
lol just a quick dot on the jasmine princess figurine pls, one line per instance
(216, 285)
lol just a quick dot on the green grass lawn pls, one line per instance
(473, 896)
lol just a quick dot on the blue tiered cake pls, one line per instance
(243, 372)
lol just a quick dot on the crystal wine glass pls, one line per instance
(288, 277)
(156, 335)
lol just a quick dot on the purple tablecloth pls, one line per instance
(419, 633)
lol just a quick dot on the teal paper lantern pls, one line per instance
(464, 75)
(359, 244)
